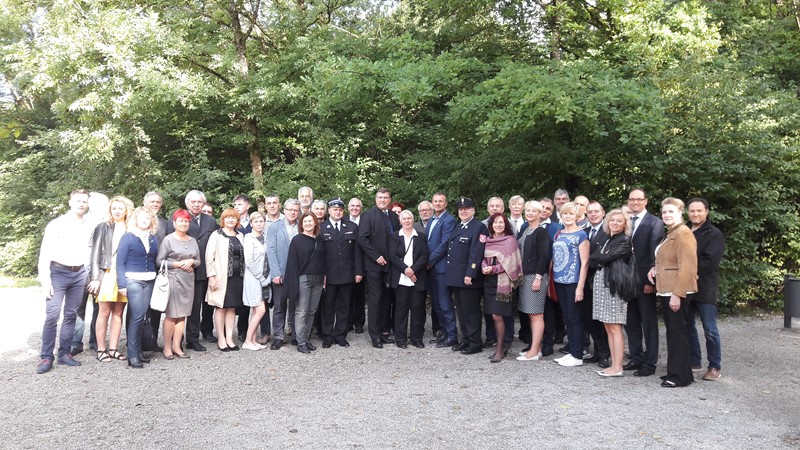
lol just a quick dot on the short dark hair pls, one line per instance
(241, 197)
(383, 190)
(507, 230)
(698, 199)
(637, 188)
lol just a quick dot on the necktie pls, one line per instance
(336, 225)
(634, 219)
(391, 228)
(592, 233)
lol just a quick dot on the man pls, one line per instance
(464, 256)
(241, 203)
(495, 205)
(202, 317)
(358, 299)
(272, 206)
(425, 209)
(560, 197)
(554, 327)
(306, 196)
(710, 248)
(153, 201)
(438, 233)
(319, 208)
(279, 236)
(343, 269)
(377, 224)
(642, 321)
(354, 208)
(208, 209)
(601, 354)
(516, 205)
(582, 203)
(63, 268)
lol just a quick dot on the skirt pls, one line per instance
(530, 301)
(233, 292)
(490, 303)
(607, 308)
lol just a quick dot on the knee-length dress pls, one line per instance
(181, 282)
(235, 287)
(490, 303)
(530, 301)
(607, 308)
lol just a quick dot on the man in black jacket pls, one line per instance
(710, 247)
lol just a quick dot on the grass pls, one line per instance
(18, 282)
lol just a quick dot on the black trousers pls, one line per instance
(435, 327)
(594, 328)
(378, 303)
(548, 338)
(335, 311)
(193, 326)
(641, 327)
(409, 300)
(82, 315)
(679, 364)
(468, 310)
(358, 300)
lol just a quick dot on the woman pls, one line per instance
(110, 301)
(614, 285)
(534, 246)
(408, 254)
(225, 267)
(136, 272)
(570, 267)
(256, 283)
(396, 207)
(305, 277)
(501, 267)
(182, 255)
(675, 275)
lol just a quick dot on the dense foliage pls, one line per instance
(469, 97)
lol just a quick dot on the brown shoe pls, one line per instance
(712, 375)
(263, 339)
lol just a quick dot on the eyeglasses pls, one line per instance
(636, 199)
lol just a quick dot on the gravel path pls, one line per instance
(360, 397)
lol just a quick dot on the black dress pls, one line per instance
(235, 288)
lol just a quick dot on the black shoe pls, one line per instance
(377, 343)
(196, 346)
(209, 337)
(311, 346)
(437, 340)
(471, 350)
(594, 359)
(558, 339)
(631, 366)
(387, 340)
(327, 343)
(44, 366)
(135, 363)
(235, 348)
(77, 350)
(418, 343)
(644, 372)
(294, 342)
(547, 351)
(303, 349)
(93, 346)
(604, 363)
(402, 345)
(144, 359)
(443, 344)
(526, 349)
(224, 349)
(343, 343)
(359, 330)
(276, 344)
(490, 343)
(563, 350)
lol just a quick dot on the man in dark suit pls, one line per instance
(200, 228)
(597, 236)
(642, 321)
(343, 269)
(438, 233)
(358, 298)
(464, 256)
(373, 238)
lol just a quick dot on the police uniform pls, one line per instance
(343, 262)
(464, 255)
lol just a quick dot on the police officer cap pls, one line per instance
(336, 203)
(465, 202)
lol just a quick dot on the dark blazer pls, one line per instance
(373, 237)
(133, 257)
(537, 252)
(710, 248)
(200, 232)
(649, 233)
(343, 260)
(161, 228)
(397, 251)
(437, 241)
(465, 253)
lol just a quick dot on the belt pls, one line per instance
(70, 268)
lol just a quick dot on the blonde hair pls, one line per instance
(676, 202)
(618, 212)
(569, 207)
(136, 213)
(128, 208)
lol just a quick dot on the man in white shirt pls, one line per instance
(306, 196)
(516, 206)
(358, 316)
(354, 207)
(63, 266)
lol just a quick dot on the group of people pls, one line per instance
(563, 266)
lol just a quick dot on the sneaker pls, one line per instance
(570, 361)
(44, 366)
(563, 358)
(68, 360)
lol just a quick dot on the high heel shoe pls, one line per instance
(495, 359)
(169, 357)
(223, 349)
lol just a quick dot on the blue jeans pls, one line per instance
(572, 317)
(708, 317)
(443, 305)
(67, 289)
(139, 293)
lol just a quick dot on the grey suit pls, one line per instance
(278, 254)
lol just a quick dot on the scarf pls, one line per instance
(505, 250)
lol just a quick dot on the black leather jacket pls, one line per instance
(614, 260)
(101, 249)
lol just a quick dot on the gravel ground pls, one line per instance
(360, 397)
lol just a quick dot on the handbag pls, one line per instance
(160, 297)
(149, 339)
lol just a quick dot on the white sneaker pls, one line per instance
(249, 346)
(563, 358)
(570, 361)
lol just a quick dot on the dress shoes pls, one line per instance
(181, 355)
(135, 363)
(311, 346)
(490, 343)
(359, 330)
(144, 359)
(604, 363)
(196, 346)
(343, 343)
(603, 373)
(294, 342)
(235, 348)
(402, 345)
(712, 375)
(522, 357)
(276, 344)
(644, 372)
(68, 360)
(444, 344)
(471, 350)
(76, 350)
(387, 340)
(303, 348)
(592, 359)
(547, 351)
(631, 366)
(563, 350)
(377, 343)
(327, 343)
(44, 366)
(418, 343)
(437, 340)
(209, 337)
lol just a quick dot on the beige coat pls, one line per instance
(217, 266)
(676, 262)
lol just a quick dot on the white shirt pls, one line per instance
(408, 258)
(67, 240)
